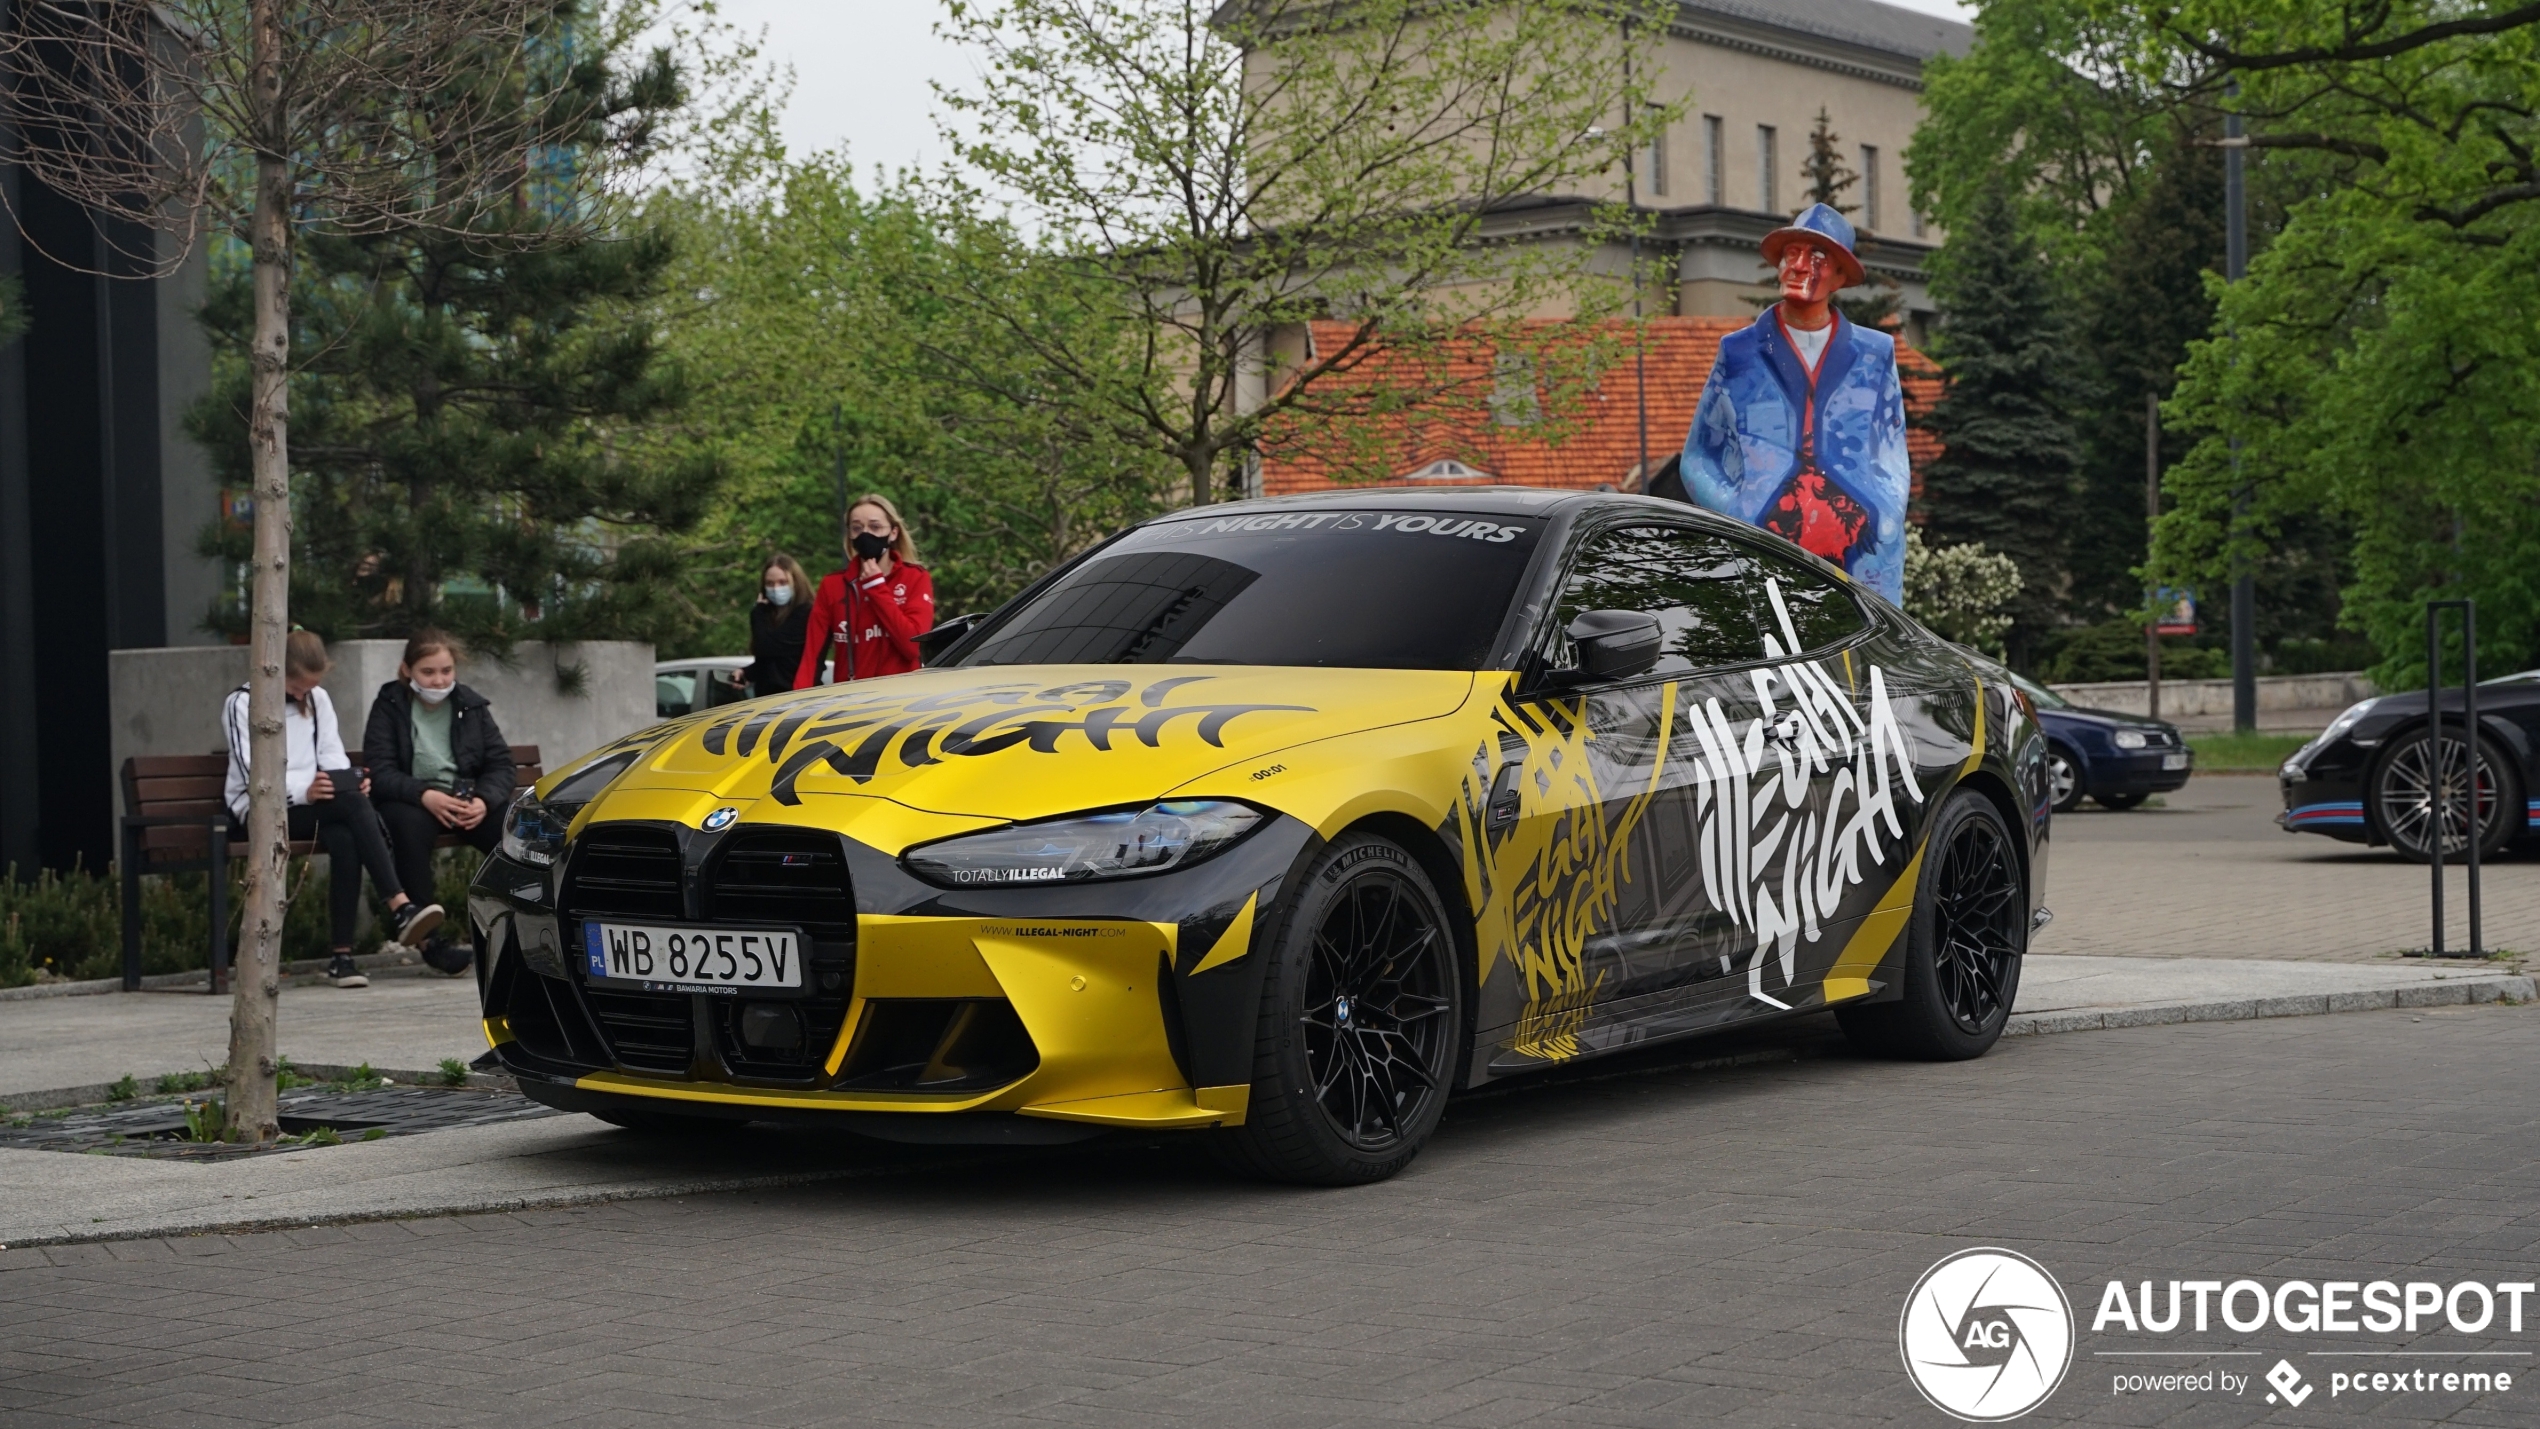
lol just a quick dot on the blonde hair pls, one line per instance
(906, 547)
(305, 654)
(793, 570)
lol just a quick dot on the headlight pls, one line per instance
(2293, 772)
(2130, 739)
(1083, 847)
(533, 829)
(2353, 716)
(534, 832)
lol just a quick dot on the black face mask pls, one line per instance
(869, 546)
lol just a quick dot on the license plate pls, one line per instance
(667, 958)
(2174, 761)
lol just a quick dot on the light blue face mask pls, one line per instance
(780, 595)
(428, 694)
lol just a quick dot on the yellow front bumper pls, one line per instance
(1085, 989)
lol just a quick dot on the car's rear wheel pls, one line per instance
(1964, 942)
(1362, 1023)
(2063, 778)
(2120, 802)
(2417, 788)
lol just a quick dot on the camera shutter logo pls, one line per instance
(1987, 1335)
(721, 819)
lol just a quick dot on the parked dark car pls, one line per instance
(2374, 776)
(2116, 758)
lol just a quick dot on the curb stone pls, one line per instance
(2450, 992)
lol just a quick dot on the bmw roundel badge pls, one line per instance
(721, 819)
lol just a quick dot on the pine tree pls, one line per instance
(1827, 175)
(2140, 310)
(2007, 474)
(462, 391)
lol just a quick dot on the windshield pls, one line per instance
(2046, 698)
(1376, 589)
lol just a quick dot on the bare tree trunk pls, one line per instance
(252, 1059)
(1202, 465)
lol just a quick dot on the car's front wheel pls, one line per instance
(2063, 778)
(1964, 943)
(2418, 788)
(1362, 1022)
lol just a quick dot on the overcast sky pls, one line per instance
(861, 67)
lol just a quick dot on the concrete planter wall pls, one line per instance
(167, 701)
(2213, 697)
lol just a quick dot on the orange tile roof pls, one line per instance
(1462, 445)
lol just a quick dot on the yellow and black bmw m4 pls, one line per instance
(1280, 822)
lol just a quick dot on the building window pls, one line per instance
(1870, 187)
(1653, 160)
(1767, 163)
(1714, 159)
(1914, 217)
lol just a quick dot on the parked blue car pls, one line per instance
(2118, 759)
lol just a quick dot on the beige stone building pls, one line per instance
(1755, 73)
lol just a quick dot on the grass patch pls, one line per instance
(453, 1072)
(2263, 753)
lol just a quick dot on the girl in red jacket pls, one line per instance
(867, 618)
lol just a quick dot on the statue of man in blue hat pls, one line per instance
(1801, 428)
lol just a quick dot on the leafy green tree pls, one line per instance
(1220, 174)
(2380, 367)
(2006, 478)
(809, 314)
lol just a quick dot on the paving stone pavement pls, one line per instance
(2209, 875)
(1655, 1247)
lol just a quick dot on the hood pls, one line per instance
(2114, 718)
(1023, 742)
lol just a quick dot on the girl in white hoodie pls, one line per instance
(329, 802)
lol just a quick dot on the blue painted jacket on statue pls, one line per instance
(1742, 454)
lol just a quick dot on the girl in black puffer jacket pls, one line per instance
(439, 765)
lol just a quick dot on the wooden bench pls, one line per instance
(175, 822)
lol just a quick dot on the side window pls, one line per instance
(1803, 610)
(1701, 588)
(674, 693)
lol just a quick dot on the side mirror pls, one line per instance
(1613, 645)
(945, 636)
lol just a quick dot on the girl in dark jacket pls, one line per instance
(438, 764)
(777, 625)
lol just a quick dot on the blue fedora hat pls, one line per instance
(1822, 226)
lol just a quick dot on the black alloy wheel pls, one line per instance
(1976, 925)
(2063, 778)
(2419, 788)
(1362, 1023)
(1964, 943)
(1375, 1009)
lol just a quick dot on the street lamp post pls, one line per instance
(2244, 590)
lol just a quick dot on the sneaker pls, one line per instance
(441, 955)
(342, 973)
(413, 922)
